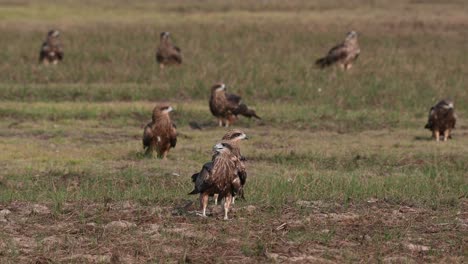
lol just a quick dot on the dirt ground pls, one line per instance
(304, 232)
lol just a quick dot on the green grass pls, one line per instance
(72, 159)
(70, 135)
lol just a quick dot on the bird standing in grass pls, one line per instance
(344, 53)
(226, 107)
(51, 49)
(220, 176)
(160, 134)
(167, 53)
(234, 137)
(442, 119)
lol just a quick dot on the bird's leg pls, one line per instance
(233, 199)
(342, 66)
(164, 154)
(348, 66)
(150, 150)
(220, 122)
(446, 134)
(227, 122)
(203, 204)
(215, 197)
(161, 66)
(437, 135)
(227, 204)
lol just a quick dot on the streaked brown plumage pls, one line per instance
(219, 176)
(160, 134)
(167, 53)
(233, 137)
(51, 49)
(226, 107)
(344, 54)
(442, 119)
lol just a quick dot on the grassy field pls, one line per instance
(340, 167)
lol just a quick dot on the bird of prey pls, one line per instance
(220, 176)
(226, 107)
(51, 49)
(167, 53)
(442, 119)
(344, 54)
(233, 138)
(160, 134)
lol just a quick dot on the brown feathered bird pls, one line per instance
(344, 54)
(160, 134)
(167, 53)
(219, 176)
(226, 107)
(234, 137)
(51, 49)
(442, 119)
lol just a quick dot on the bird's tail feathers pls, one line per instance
(240, 194)
(324, 62)
(194, 177)
(195, 191)
(245, 111)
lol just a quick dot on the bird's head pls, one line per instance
(167, 109)
(164, 35)
(447, 103)
(222, 147)
(161, 110)
(219, 87)
(53, 33)
(351, 35)
(235, 135)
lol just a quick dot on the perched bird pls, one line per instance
(226, 107)
(442, 119)
(219, 176)
(160, 134)
(167, 53)
(233, 137)
(51, 49)
(344, 54)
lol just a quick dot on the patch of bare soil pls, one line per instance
(303, 232)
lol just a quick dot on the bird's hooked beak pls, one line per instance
(169, 109)
(165, 35)
(244, 136)
(351, 34)
(222, 87)
(448, 106)
(218, 147)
